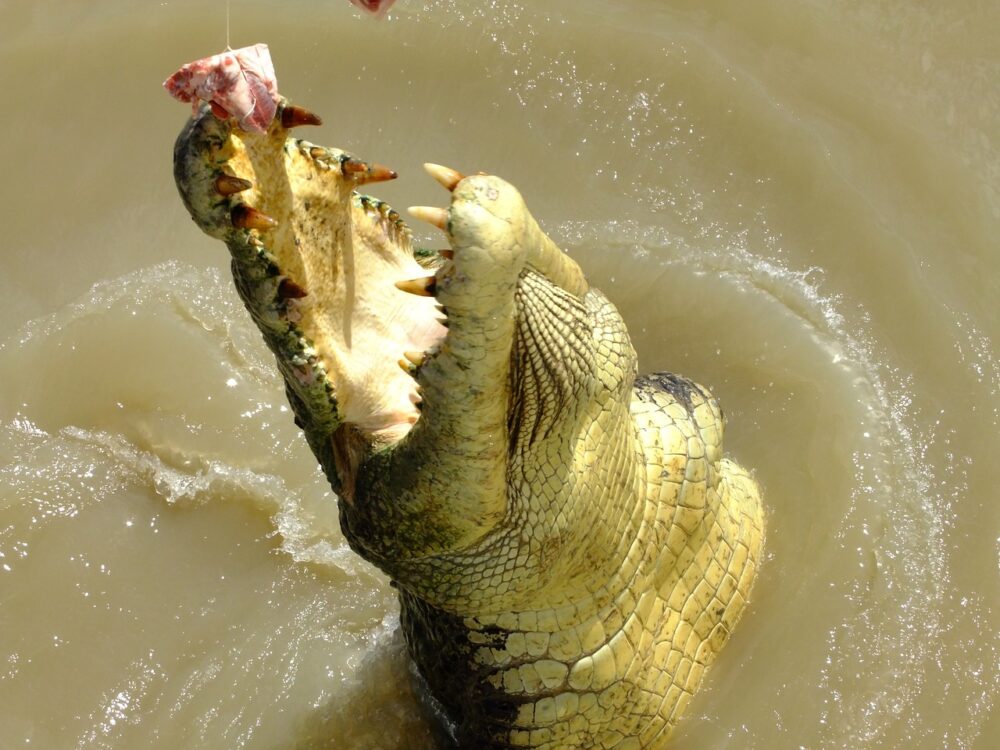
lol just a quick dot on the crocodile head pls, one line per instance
(571, 549)
(399, 364)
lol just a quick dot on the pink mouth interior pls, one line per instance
(374, 6)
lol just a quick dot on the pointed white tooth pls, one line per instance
(424, 287)
(436, 216)
(448, 177)
(417, 358)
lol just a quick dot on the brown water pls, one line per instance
(797, 204)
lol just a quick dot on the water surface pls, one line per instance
(796, 204)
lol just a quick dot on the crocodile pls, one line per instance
(570, 548)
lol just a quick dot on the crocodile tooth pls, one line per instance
(227, 184)
(423, 287)
(417, 358)
(378, 173)
(368, 205)
(448, 177)
(442, 315)
(353, 166)
(292, 116)
(405, 365)
(248, 217)
(364, 173)
(288, 289)
(436, 216)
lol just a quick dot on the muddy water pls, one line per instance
(794, 203)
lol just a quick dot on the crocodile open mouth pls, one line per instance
(329, 275)
(478, 413)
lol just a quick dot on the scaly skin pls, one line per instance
(570, 547)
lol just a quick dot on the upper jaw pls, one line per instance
(356, 321)
(316, 265)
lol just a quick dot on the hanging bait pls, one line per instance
(237, 83)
